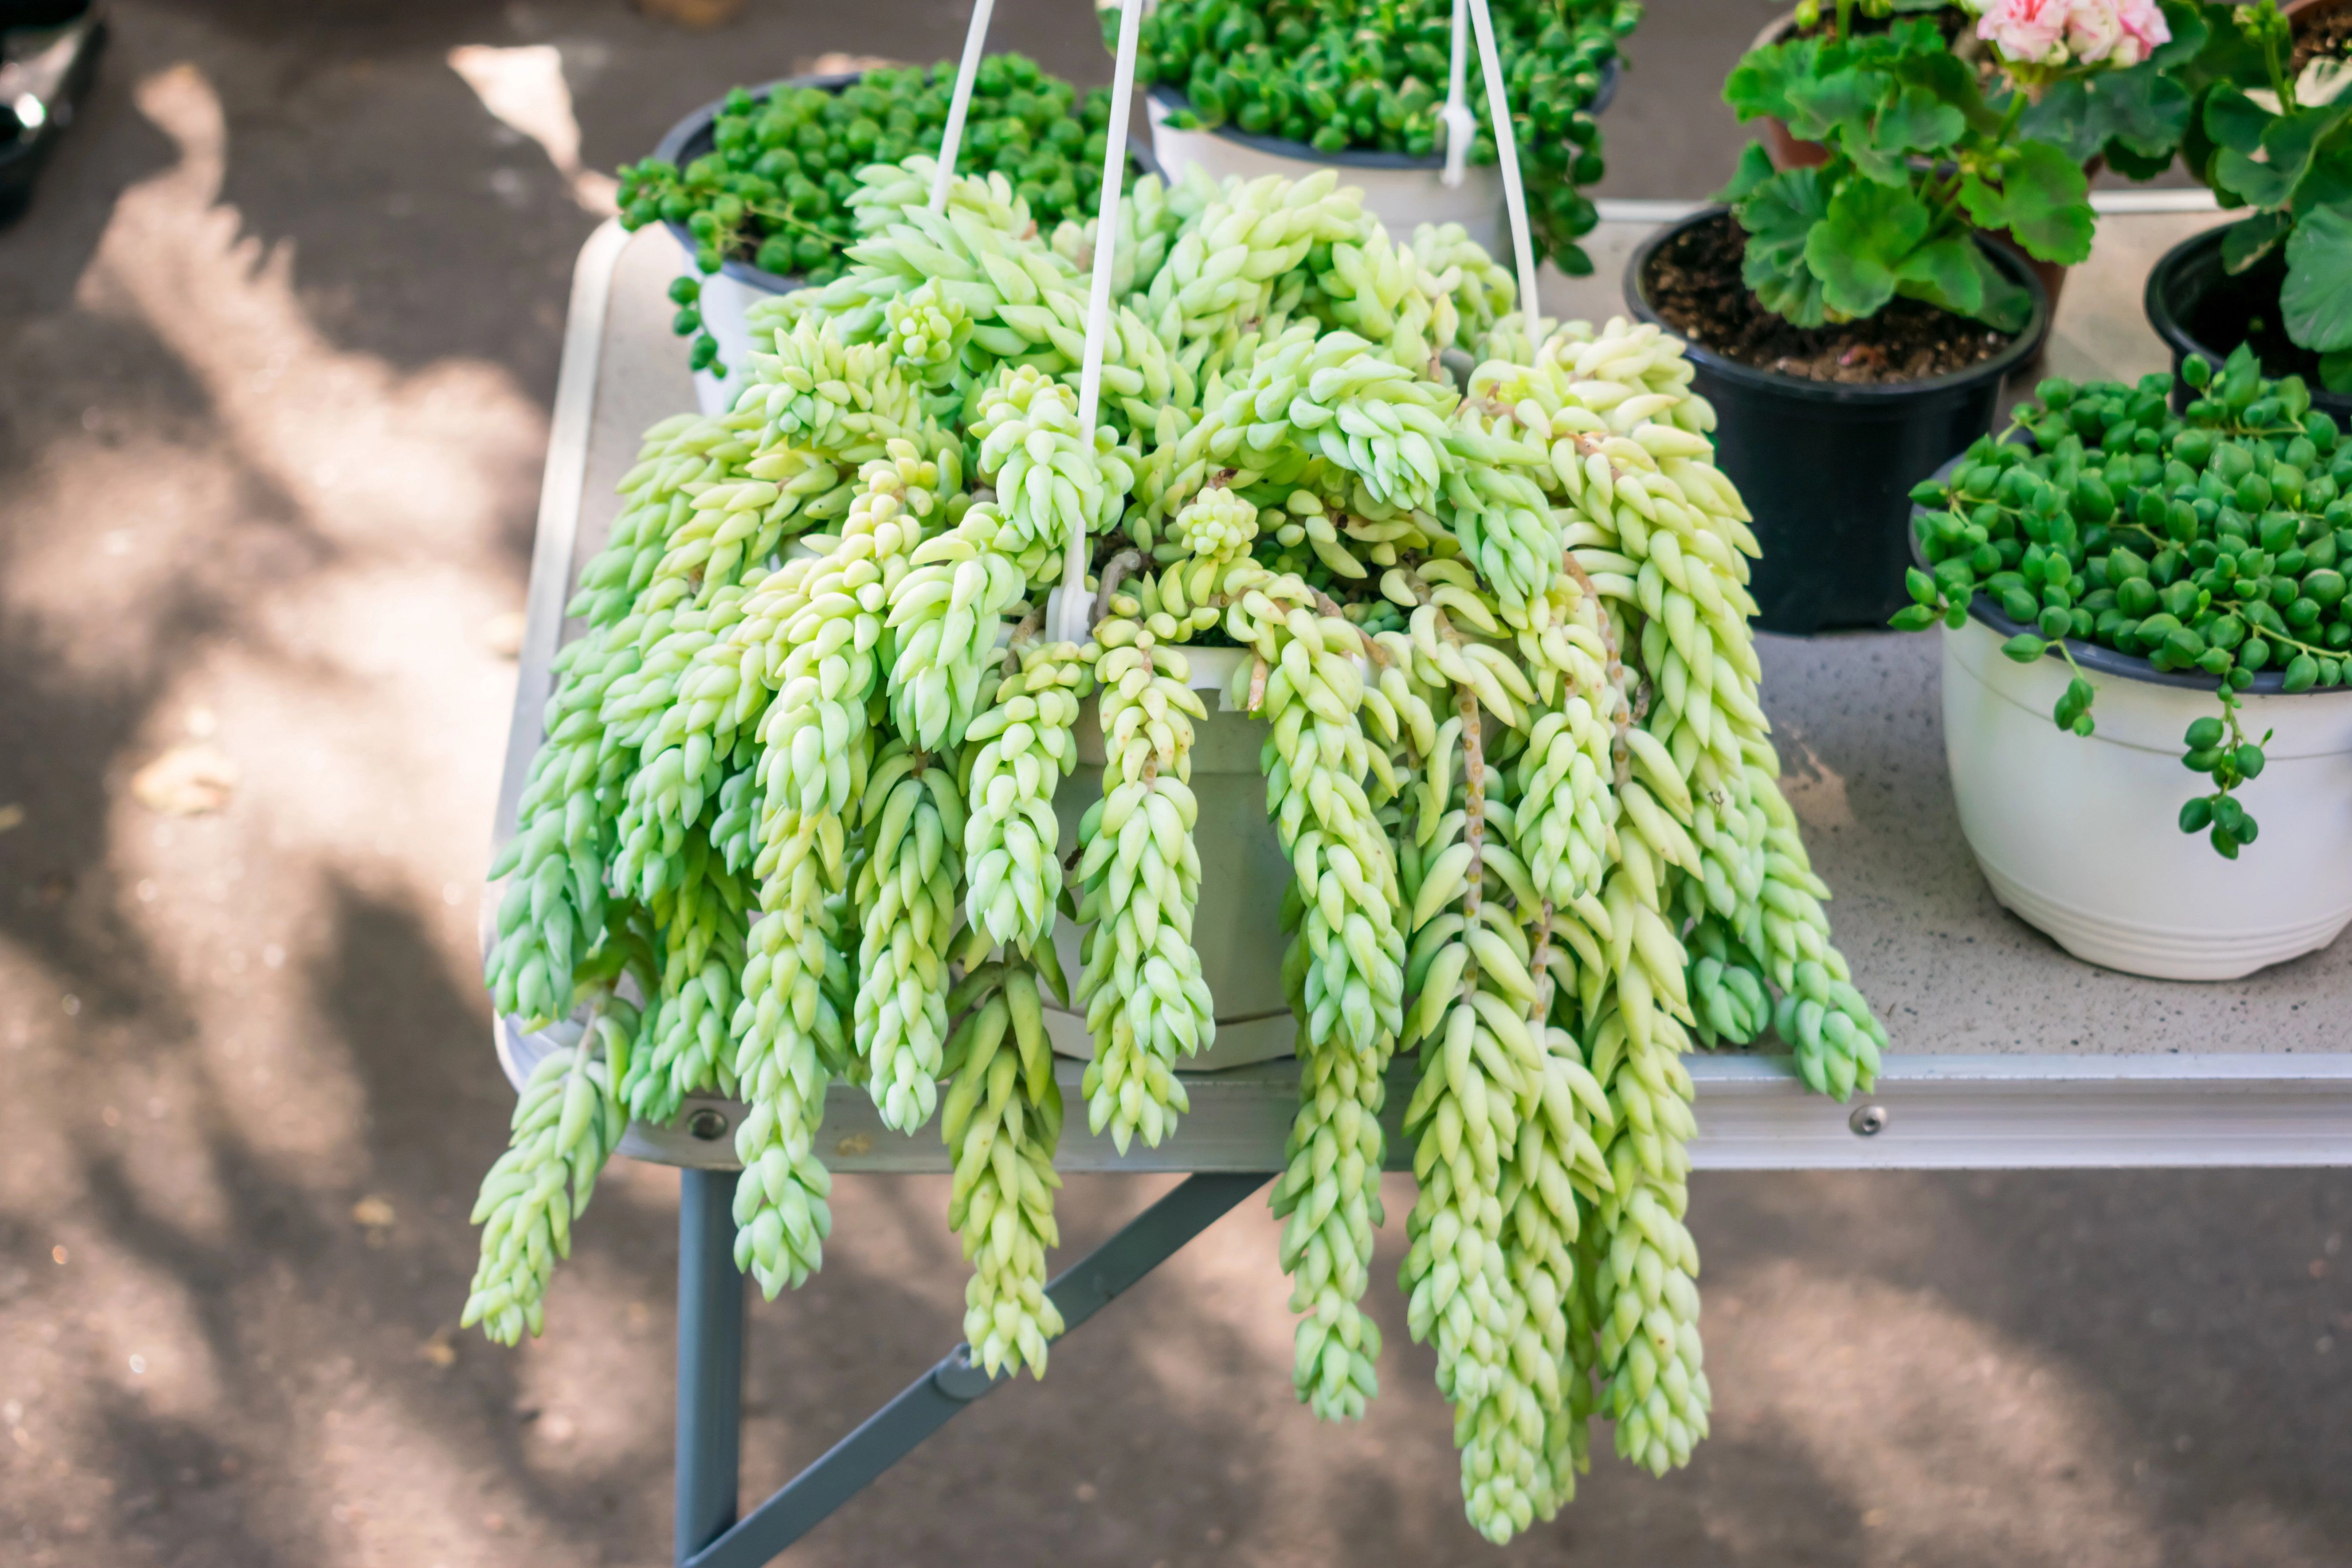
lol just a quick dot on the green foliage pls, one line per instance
(2289, 160)
(776, 190)
(2041, 196)
(2134, 118)
(1374, 78)
(2210, 542)
(783, 757)
(1918, 154)
(2316, 299)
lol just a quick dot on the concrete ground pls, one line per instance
(277, 347)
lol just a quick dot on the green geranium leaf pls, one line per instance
(2328, 182)
(2335, 371)
(2290, 143)
(1920, 36)
(2042, 200)
(1755, 168)
(1758, 85)
(1837, 103)
(1951, 80)
(2008, 305)
(2234, 120)
(1866, 234)
(2132, 166)
(2189, 36)
(1780, 214)
(2316, 299)
(2143, 110)
(1955, 274)
(2243, 244)
(1945, 273)
(1914, 119)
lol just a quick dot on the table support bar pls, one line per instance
(891, 1433)
(709, 1358)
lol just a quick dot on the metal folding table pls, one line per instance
(2006, 1052)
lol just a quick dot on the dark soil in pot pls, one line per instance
(2197, 307)
(1825, 430)
(2323, 30)
(1694, 280)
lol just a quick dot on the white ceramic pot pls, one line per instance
(2081, 837)
(728, 296)
(1402, 192)
(731, 291)
(1237, 928)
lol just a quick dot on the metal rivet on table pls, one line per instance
(710, 1126)
(1867, 1121)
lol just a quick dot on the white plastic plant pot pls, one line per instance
(2080, 836)
(729, 293)
(1237, 927)
(1404, 192)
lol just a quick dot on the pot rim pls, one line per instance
(1169, 98)
(1800, 388)
(674, 143)
(2097, 657)
(2156, 305)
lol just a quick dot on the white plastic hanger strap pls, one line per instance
(1076, 602)
(975, 39)
(1514, 195)
(1461, 125)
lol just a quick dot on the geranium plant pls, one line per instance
(2276, 134)
(1925, 148)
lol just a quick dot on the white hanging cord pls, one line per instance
(975, 37)
(1514, 195)
(1461, 125)
(1076, 605)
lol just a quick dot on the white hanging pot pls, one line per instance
(2080, 836)
(1401, 189)
(1237, 927)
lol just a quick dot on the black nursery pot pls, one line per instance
(1827, 468)
(2196, 308)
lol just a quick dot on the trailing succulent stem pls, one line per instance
(804, 768)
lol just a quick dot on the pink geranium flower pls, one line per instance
(2144, 30)
(2029, 32)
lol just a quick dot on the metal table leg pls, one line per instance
(889, 1434)
(709, 1359)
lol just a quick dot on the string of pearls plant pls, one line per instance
(793, 819)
